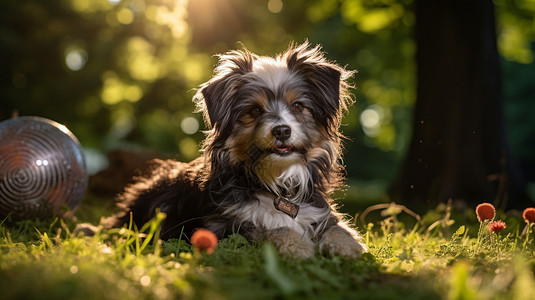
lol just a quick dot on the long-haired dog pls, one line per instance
(270, 159)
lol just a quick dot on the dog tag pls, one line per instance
(287, 207)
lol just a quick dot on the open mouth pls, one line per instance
(283, 149)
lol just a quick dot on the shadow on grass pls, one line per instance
(240, 270)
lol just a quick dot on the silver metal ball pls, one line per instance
(42, 169)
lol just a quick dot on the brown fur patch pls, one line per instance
(343, 241)
(291, 243)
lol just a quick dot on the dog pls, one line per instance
(270, 159)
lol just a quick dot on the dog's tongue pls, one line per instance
(283, 149)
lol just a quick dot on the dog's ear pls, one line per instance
(327, 80)
(216, 97)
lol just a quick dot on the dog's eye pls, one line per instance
(255, 112)
(296, 106)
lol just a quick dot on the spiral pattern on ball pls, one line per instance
(42, 169)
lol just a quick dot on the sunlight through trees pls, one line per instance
(121, 73)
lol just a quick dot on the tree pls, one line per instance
(116, 73)
(459, 148)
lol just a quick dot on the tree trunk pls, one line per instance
(458, 149)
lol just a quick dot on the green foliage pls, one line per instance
(93, 65)
(517, 33)
(46, 260)
(122, 73)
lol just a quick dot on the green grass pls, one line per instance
(440, 258)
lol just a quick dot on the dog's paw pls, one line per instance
(342, 241)
(291, 243)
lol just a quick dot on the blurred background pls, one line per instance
(120, 74)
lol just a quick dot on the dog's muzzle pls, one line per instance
(281, 132)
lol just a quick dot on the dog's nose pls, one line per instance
(281, 132)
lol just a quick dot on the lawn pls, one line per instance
(437, 257)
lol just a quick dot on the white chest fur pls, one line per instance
(262, 213)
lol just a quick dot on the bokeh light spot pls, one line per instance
(111, 92)
(370, 119)
(275, 6)
(145, 280)
(75, 58)
(125, 16)
(189, 125)
(174, 17)
(115, 90)
(89, 6)
(133, 93)
(194, 69)
(188, 148)
(141, 63)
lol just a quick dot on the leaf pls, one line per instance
(271, 267)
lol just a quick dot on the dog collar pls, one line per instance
(284, 205)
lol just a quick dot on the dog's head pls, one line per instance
(278, 117)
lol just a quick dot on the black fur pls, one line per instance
(228, 176)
